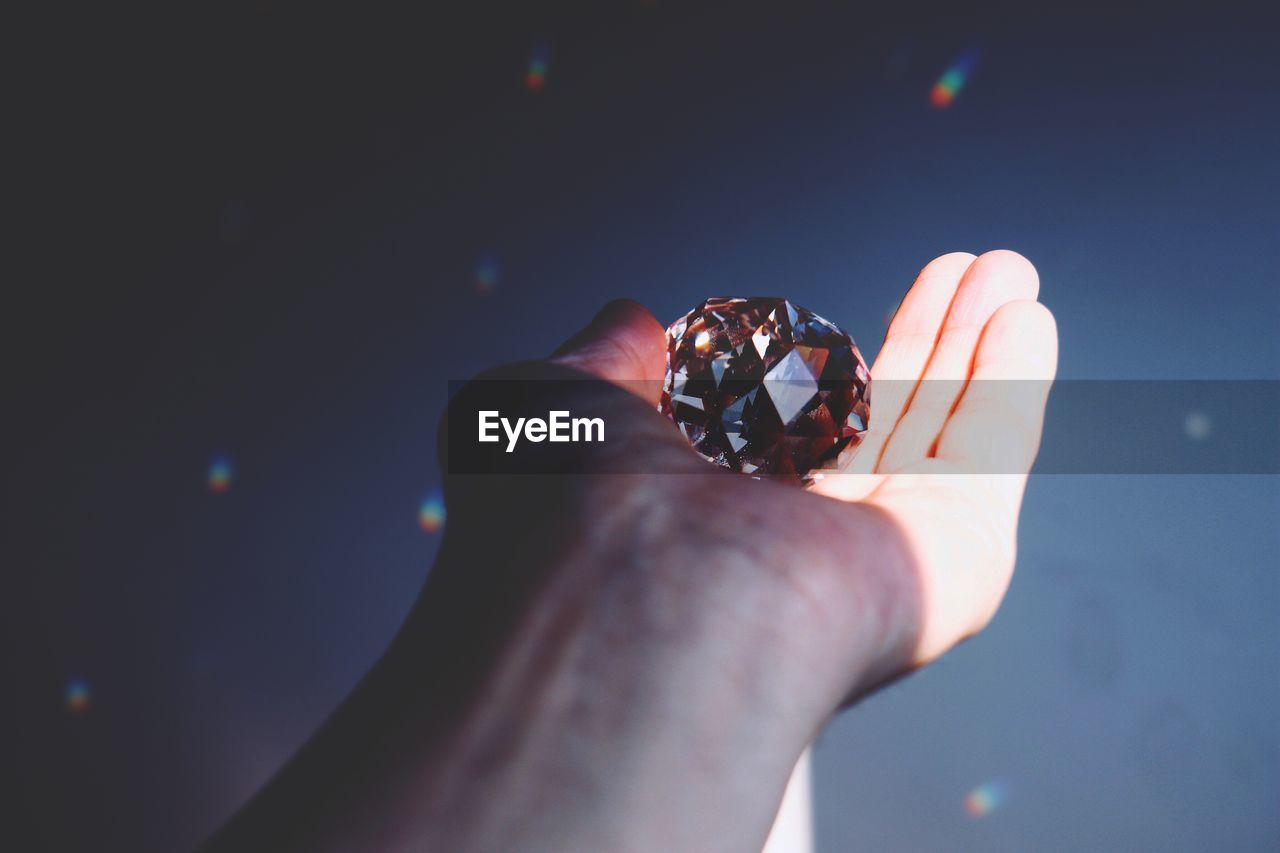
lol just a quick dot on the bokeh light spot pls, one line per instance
(77, 695)
(944, 92)
(221, 473)
(986, 798)
(536, 77)
(1198, 426)
(431, 512)
(486, 274)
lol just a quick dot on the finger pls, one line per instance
(998, 422)
(992, 280)
(907, 346)
(624, 344)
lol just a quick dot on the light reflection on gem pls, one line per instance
(431, 512)
(1198, 426)
(536, 77)
(986, 798)
(221, 473)
(77, 695)
(953, 79)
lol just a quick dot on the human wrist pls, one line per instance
(647, 665)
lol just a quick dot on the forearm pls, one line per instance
(568, 690)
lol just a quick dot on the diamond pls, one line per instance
(766, 387)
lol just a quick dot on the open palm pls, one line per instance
(960, 390)
(945, 462)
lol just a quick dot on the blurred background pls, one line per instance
(267, 234)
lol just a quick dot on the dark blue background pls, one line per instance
(258, 232)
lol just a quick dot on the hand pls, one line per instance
(959, 393)
(950, 444)
(635, 661)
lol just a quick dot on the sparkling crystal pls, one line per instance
(764, 386)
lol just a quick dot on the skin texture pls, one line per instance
(635, 661)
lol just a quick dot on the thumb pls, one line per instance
(624, 344)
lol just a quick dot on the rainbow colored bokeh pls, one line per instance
(986, 798)
(221, 473)
(431, 512)
(536, 77)
(953, 79)
(486, 274)
(77, 695)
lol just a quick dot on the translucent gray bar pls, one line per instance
(1092, 426)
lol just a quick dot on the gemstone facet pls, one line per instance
(766, 387)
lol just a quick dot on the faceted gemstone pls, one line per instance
(764, 386)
